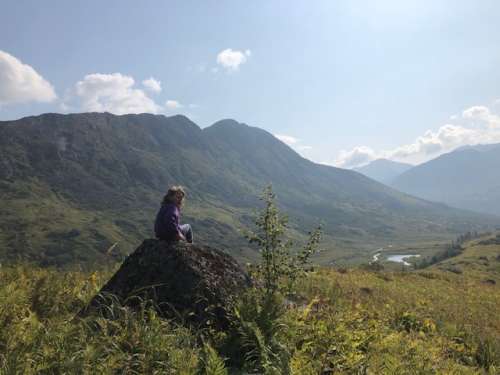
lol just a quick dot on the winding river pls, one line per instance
(402, 258)
(397, 258)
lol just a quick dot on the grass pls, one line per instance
(352, 321)
(445, 317)
(40, 336)
(479, 261)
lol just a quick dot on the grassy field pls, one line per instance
(356, 321)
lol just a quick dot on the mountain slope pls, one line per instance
(75, 185)
(466, 178)
(383, 170)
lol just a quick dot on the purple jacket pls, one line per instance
(167, 223)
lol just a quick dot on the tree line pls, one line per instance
(452, 249)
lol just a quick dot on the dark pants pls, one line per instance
(187, 231)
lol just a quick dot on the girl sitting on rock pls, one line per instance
(167, 225)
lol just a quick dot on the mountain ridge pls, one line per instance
(383, 170)
(466, 178)
(78, 184)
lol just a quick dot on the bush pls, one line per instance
(278, 269)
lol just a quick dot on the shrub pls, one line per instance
(278, 269)
(257, 319)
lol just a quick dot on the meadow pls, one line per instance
(354, 321)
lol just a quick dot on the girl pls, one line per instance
(167, 225)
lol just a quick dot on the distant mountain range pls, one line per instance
(82, 187)
(466, 178)
(383, 170)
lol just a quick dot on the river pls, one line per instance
(397, 258)
(402, 258)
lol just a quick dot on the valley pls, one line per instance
(75, 186)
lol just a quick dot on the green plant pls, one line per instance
(257, 319)
(258, 327)
(485, 355)
(279, 268)
(211, 362)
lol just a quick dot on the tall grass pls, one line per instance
(351, 322)
(39, 334)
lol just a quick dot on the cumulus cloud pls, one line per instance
(288, 139)
(476, 125)
(356, 157)
(482, 114)
(173, 104)
(152, 85)
(478, 111)
(293, 142)
(21, 83)
(232, 59)
(431, 143)
(113, 93)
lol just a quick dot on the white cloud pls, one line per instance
(288, 139)
(152, 84)
(173, 104)
(476, 111)
(231, 60)
(446, 138)
(113, 93)
(477, 125)
(482, 114)
(293, 142)
(21, 83)
(356, 157)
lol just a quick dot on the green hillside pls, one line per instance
(75, 186)
(480, 259)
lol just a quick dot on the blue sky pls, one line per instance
(342, 82)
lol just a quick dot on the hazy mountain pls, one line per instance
(74, 185)
(467, 178)
(383, 170)
(479, 147)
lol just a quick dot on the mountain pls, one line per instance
(85, 187)
(467, 178)
(479, 147)
(383, 170)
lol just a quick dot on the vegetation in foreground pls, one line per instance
(356, 321)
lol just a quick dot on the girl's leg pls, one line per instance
(187, 231)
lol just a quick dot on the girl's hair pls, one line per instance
(172, 192)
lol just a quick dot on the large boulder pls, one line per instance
(192, 282)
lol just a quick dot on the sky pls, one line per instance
(342, 82)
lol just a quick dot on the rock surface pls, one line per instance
(191, 282)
